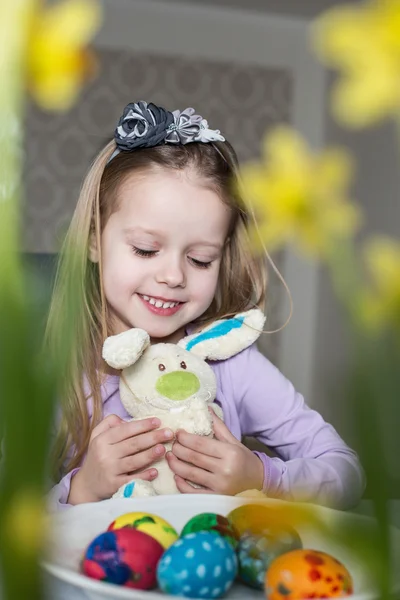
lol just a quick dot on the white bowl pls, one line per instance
(74, 529)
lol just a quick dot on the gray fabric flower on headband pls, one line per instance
(189, 127)
(185, 128)
(142, 125)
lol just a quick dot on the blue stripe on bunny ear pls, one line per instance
(221, 329)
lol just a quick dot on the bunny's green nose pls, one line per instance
(178, 385)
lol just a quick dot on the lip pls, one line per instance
(162, 312)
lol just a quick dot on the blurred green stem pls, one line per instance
(346, 278)
(370, 391)
(22, 387)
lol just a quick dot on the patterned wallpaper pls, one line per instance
(241, 101)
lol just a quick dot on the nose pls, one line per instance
(172, 273)
(178, 385)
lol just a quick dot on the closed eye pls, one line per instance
(144, 253)
(200, 264)
(149, 253)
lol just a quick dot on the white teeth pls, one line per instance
(159, 303)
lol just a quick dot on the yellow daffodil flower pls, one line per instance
(300, 197)
(26, 524)
(380, 304)
(58, 61)
(364, 45)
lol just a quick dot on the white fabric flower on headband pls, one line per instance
(209, 135)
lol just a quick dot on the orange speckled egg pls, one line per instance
(307, 574)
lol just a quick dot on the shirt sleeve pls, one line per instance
(57, 498)
(313, 463)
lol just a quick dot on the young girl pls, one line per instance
(159, 241)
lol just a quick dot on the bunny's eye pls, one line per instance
(161, 367)
(183, 365)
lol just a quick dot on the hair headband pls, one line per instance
(144, 125)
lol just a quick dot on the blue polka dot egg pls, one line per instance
(198, 565)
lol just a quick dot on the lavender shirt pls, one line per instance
(313, 463)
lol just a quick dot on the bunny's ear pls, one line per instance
(226, 337)
(123, 350)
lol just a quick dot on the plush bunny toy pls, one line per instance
(174, 383)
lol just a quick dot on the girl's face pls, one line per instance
(161, 253)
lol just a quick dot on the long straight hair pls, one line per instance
(78, 320)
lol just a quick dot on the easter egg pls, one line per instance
(125, 557)
(307, 574)
(153, 525)
(213, 523)
(198, 565)
(256, 553)
(251, 518)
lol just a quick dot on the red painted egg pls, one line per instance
(126, 557)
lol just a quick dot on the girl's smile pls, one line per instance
(161, 306)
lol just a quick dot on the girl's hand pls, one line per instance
(118, 451)
(221, 465)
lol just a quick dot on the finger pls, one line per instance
(221, 431)
(142, 442)
(129, 429)
(141, 460)
(190, 472)
(197, 459)
(185, 488)
(107, 423)
(147, 475)
(201, 444)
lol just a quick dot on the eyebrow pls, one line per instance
(140, 230)
(131, 230)
(209, 245)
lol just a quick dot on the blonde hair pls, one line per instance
(78, 320)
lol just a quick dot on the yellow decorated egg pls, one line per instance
(307, 574)
(153, 525)
(251, 518)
